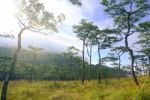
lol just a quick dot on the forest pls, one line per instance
(102, 54)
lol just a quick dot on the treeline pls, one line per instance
(60, 67)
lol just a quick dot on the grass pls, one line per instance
(109, 89)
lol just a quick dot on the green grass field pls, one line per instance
(109, 89)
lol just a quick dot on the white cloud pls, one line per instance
(72, 13)
(7, 20)
(105, 23)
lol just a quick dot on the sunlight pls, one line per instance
(7, 6)
(74, 49)
(7, 10)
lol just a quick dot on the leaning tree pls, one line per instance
(32, 16)
(126, 15)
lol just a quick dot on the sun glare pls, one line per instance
(7, 6)
(7, 10)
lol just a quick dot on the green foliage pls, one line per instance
(49, 66)
(33, 16)
(126, 13)
(4, 66)
(116, 54)
(119, 49)
(106, 38)
(35, 48)
(144, 27)
(76, 2)
(110, 58)
(144, 36)
(85, 29)
(71, 51)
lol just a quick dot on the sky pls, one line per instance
(91, 10)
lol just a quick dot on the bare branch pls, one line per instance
(37, 30)
(20, 22)
(7, 35)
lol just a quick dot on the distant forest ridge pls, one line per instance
(50, 66)
(26, 55)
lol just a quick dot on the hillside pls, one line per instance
(51, 66)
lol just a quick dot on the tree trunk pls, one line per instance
(132, 60)
(89, 53)
(119, 68)
(83, 64)
(90, 70)
(143, 67)
(149, 66)
(100, 69)
(12, 67)
(130, 50)
(31, 74)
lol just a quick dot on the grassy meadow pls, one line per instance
(109, 89)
